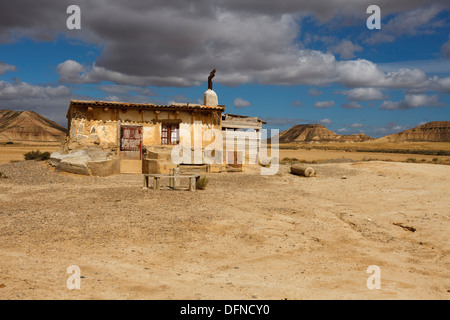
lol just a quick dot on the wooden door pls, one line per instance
(131, 142)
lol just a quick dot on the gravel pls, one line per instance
(34, 172)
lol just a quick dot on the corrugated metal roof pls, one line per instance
(114, 104)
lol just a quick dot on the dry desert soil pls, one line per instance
(246, 236)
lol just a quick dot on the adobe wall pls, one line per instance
(102, 127)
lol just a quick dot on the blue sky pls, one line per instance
(287, 62)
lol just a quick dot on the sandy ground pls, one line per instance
(246, 236)
(9, 153)
(321, 155)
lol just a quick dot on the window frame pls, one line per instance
(170, 133)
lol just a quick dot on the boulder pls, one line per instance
(88, 161)
(75, 163)
(103, 168)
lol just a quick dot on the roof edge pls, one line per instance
(99, 103)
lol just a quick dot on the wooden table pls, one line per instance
(157, 180)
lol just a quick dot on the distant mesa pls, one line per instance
(315, 133)
(24, 126)
(435, 131)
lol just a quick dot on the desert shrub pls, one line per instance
(45, 155)
(37, 155)
(3, 176)
(9, 142)
(435, 159)
(411, 160)
(202, 182)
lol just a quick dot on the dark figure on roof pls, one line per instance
(211, 75)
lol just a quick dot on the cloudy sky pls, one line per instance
(287, 61)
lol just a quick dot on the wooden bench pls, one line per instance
(193, 178)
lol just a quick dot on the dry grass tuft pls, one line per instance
(202, 183)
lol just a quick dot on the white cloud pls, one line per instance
(297, 103)
(446, 49)
(298, 67)
(112, 98)
(122, 89)
(364, 94)
(305, 67)
(73, 72)
(410, 23)
(352, 105)
(405, 78)
(241, 103)
(358, 73)
(314, 92)
(362, 73)
(433, 66)
(69, 71)
(389, 128)
(9, 91)
(356, 125)
(346, 49)
(390, 105)
(324, 104)
(412, 101)
(4, 67)
(443, 85)
(326, 121)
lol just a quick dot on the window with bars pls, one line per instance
(170, 133)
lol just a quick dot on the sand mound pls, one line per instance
(29, 126)
(311, 133)
(438, 131)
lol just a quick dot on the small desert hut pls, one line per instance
(139, 130)
(107, 137)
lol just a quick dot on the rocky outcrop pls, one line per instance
(437, 131)
(310, 133)
(307, 133)
(29, 126)
(357, 137)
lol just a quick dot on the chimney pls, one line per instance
(210, 97)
